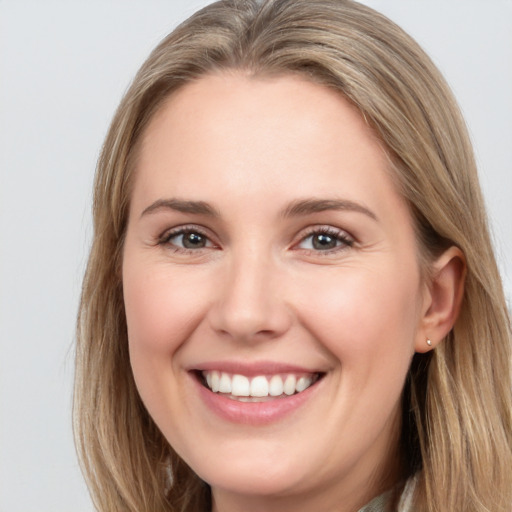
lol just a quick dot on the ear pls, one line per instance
(443, 298)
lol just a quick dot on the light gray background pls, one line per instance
(63, 68)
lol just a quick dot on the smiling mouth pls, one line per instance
(259, 388)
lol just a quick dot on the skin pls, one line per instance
(259, 290)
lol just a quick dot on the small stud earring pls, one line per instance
(429, 343)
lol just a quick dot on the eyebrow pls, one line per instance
(310, 206)
(300, 207)
(183, 206)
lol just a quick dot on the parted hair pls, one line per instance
(457, 415)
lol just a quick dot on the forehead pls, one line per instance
(230, 135)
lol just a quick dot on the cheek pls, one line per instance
(366, 318)
(161, 310)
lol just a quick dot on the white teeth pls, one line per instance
(302, 384)
(258, 387)
(289, 385)
(215, 381)
(240, 386)
(276, 386)
(225, 383)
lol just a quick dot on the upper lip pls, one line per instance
(251, 369)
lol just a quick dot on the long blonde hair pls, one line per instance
(457, 423)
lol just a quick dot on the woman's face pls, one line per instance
(270, 257)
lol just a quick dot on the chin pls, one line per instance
(252, 475)
(253, 483)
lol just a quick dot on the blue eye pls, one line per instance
(325, 240)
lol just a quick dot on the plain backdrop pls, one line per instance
(64, 66)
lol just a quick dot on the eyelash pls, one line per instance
(345, 241)
(165, 239)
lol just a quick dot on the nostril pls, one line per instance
(248, 305)
(246, 324)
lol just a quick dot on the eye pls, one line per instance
(186, 239)
(326, 240)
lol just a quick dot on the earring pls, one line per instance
(429, 343)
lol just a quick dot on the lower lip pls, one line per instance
(254, 413)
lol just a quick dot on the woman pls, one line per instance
(291, 301)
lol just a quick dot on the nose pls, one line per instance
(250, 303)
